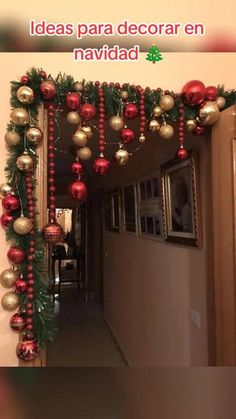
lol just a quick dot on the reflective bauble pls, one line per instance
(116, 122)
(127, 135)
(73, 101)
(18, 322)
(84, 153)
(130, 111)
(28, 350)
(194, 92)
(101, 166)
(53, 232)
(122, 157)
(34, 135)
(25, 162)
(87, 111)
(166, 131)
(209, 113)
(10, 301)
(80, 138)
(25, 95)
(19, 116)
(22, 225)
(8, 278)
(78, 190)
(48, 90)
(167, 102)
(12, 138)
(73, 118)
(16, 255)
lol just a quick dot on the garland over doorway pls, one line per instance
(195, 108)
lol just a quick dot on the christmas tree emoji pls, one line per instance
(154, 54)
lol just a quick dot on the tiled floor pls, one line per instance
(84, 339)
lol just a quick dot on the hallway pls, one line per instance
(84, 339)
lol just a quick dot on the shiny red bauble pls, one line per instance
(10, 203)
(78, 190)
(211, 93)
(16, 255)
(130, 111)
(25, 79)
(182, 153)
(194, 92)
(27, 350)
(5, 220)
(198, 130)
(87, 111)
(20, 286)
(127, 135)
(76, 168)
(53, 232)
(18, 322)
(73, 101)
(43, 74)
(101, 166)
(48, 90)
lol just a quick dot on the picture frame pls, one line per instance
(149, 188)
(115, 211)
(180, 201)
(129, 201)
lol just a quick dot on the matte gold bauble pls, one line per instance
(78, 86)
(116, 123)
(167, 102)
(122, 157)
(34, 135)
(25, 163)
(73, 118)
(84, 153)
(12, 138)
(25, 94)
(191, 124)
(124, 95)
(5, 189)
(80, 138)
(157, 111)
(209, 113)
(88, 130)
(221, 102)
(153, 125)
(142, 138)
(19, 116)
(10, 301)
(166, 131)
(22, 225)
(8, 278)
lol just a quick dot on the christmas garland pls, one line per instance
(194, 108)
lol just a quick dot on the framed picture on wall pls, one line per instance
(115, 210)
(107, 206)
(150, 222)
(180, 200)
(149, 188)
(130, 208)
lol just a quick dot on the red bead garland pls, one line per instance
(51, 164)
(101, 165)
(142, 112)
(182, 153)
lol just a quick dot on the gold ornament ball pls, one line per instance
(34, 135)
(167, 102)
(5, 189)
(84, 153)
(73, 118)
(122, 156)
(25, 163)
(157, 111)
(8, 278)
(25, 95)
(221, 102)
(22, 225)
(12, 138)
(78, 86)
(10, 301)
(80, 138)
(19, 116)
(142, 138)
(166, 131)
(153, 125)
(191, 124)
(209, 113)
(88, 130)
(116, 123)
(124, 95)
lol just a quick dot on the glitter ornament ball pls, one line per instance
(73, 118)
(101, 166)
(167, 102)
(20, 117)
(116, 122)
(28, 350)
(22, 225)
(84, 153)
(48, 90)
(78, 190)
(16, 255)
(10, 203)
(53, 232)
(12, 138)
(80, 138)
(166, 131)
(127, 135)
(8, 278)
(18, 322)
(73, 101)
(10, 301)
(87, 111)
(25, 95)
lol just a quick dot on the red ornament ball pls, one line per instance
(130, 111)
(127, 135)
(43, 74)
(76, 168)
(211, 93)
(87, 111)
(73, 101)
(17, 322)
(25, 79)
(28, 350)
(48, 90)
(198, 130)
(16, 255)
(20, 286)
(194, 92)
(78, 190)
(101, 166)
(182, 153)
(10, 203)
(53, 232)
(5, 220)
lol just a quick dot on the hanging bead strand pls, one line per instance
(101, 165)
(142, 114)
(182, 153)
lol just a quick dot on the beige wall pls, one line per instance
(171, 73)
